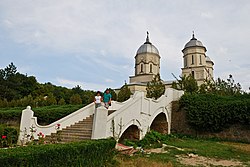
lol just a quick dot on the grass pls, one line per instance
(182, 146)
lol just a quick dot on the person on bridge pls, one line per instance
(98, 100)
(107, 98)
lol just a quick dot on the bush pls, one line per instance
(85, 153)
(213, 113)
(45, 115)
(50, 114)
(151, 139)
(8, 136)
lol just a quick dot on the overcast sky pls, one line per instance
(93, 43)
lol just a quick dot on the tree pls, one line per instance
(221, 87)
(186, 83)
(75, 99)
(124, 93)
(61, 102)
(155, 88)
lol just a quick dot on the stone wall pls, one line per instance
(180, 125)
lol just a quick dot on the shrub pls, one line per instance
(45, 115)
(213, 113)
(8, 136)
(85, 153)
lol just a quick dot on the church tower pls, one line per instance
(147, 63)
(196, 62)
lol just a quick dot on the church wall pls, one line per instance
(141, 78)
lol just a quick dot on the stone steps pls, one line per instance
(81, 130)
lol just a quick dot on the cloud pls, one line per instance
(84, 85)
(107, 34)
(206, 15)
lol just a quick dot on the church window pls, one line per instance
(185, 62)
(200, 60)
(192, 59)
(193, 74)
(141, 67)
(150, 68)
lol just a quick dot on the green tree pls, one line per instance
(221, 87)
(155, 88)
(186, 83)
(61, 102)
(51, 100)
(124, 93)
(75, 99)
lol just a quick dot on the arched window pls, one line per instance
(200, 60)
(150, 68)
(141, 67)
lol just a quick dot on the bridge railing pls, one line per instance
(28, 121)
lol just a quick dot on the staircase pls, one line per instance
(81, 130)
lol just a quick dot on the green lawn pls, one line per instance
(204, 151)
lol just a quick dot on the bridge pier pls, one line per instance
(100, 123)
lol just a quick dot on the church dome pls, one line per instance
(147, 47)
(194, 43)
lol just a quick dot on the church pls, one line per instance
(147, 64)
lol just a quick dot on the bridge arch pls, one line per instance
(131, 131)
(160, 122)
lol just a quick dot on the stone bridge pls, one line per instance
(131, 119)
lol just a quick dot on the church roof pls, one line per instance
(209, 60)
(194, 43)
(147, 47)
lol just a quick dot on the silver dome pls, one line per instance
(147, 47)
(194, 42)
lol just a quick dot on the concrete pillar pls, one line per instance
(25, 125)
(100, 123)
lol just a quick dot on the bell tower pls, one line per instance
(196, 62)
(147, 63)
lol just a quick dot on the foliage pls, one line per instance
(45, 115)
(155, 88)
(186, 83)
(8, 136)
(124, 93)
(83, 153)
(19, 90)
(221, 87)
(75, 99)
(61, 102)
(209, 112)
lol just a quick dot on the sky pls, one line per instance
(93, 43)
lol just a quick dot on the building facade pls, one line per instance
(147, 64)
